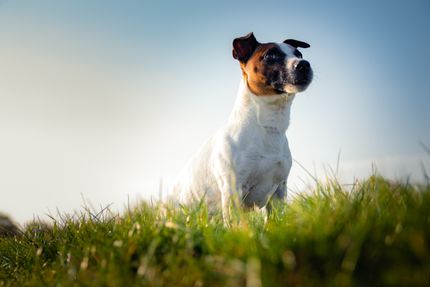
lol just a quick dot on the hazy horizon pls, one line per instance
(103, 100)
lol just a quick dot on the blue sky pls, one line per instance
(103, 100)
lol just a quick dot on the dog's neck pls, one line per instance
(271, 113)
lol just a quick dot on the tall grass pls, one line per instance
(376, 234)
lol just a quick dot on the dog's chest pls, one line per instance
(263, 156)
(263, 167)
(267, 168)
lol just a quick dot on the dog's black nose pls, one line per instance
(303, 65)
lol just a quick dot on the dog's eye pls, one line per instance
(298, 54)
(270, 57)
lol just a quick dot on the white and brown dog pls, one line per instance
(248, 161)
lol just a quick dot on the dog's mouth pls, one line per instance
(292, 88)
(298, 85)
(303, 81)
(293, 82)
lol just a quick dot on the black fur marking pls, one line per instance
(296, 43)
(274, 55)
(244, 47)
(298, 54)
(274, 68)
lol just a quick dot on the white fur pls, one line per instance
(249, 159)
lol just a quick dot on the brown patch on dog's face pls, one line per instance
(264, 70)
(272, 68)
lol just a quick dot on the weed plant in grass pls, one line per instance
(376, 234)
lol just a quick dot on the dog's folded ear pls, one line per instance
(243, 47)
(297, 44)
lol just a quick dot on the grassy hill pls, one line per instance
(377, 234)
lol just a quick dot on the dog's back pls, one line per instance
(196, 182)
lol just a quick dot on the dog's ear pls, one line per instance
(243, 47)
(297, 44)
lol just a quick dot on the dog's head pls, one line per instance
(272, 68)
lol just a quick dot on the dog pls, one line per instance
(248, 161)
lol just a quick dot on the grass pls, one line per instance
(376, 234)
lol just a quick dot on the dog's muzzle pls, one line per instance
(302, 73)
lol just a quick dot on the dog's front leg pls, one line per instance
(230, 196)
(280, 195)
(228, 187)
(225, 207)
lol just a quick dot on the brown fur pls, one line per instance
(255, 72)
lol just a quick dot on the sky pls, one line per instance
(103, 102)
